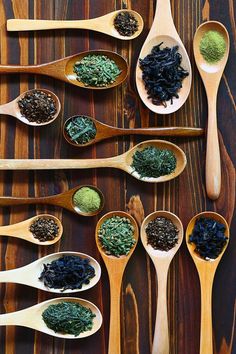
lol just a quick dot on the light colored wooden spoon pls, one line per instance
(64, 200)
(206, 272)
(115, 268)
(161, 261)
(211, 76)
(21, 230)
(12, 108)
(163, 30)
(29, 274)
(122, 162)
(105, 131)
(103, 24)
(63, 69)
(31, 317)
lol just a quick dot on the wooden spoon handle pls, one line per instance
(10, 201)
(16, 318)
(11, 69)
(167, 131)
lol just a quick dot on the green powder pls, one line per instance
(87, 200)
(212, 46)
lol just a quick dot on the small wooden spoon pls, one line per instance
(12, 108)
(163, 30)
(105, 131)
(122, 162)
(21, 230)
(31, 317)
(29, 274)
(206, 272)
(161, 261)
(211, 76)
(63, 69)
(103, 24)
(64, 200)
(115, 268)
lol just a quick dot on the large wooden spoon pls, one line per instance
(115, 268)
(211, 76)
(163, 30)
(206, 272)
(63, 69)
(161, 261)
(31, 317)
(103, 24)
(122, 162)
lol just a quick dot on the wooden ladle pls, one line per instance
(63, 69)
(211, 76)
(64, 200)
(122, 162)
(104, 131)
(103, 24)
(29, 274)
(12, 108)
(206, 272)
(115, 268)
(31, 317)
(163, 30)
(21, 230)
(161, 261)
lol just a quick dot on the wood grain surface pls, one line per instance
(184, 196)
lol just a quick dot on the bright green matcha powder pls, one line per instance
(87, 200)
(212, 47)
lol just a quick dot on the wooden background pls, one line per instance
(119, 107)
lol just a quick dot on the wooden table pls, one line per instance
(185, 196)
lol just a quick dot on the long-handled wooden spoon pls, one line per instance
(206, 272)
(115, 268)
(104, 131)
(103, 24)
(161, 261)
(63, 69)
(163, 30)
(64, 200)
(21, 230)
(29, 274)
(211, 76)
(122, 162)
(31, 317)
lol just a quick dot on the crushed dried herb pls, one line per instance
(162, 234)
(80, 129)
(44, 229)
(125, 23)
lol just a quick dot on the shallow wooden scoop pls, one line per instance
(31, 317)
(161, 261)
(115, 268)
(163, 30)
(206, 272)
(211, 76)
(29, 274)
(21, 230)
(103, 24)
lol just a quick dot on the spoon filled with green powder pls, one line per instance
(87, 200)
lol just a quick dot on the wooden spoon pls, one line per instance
(64, 200)
(122, 162)
(163, 30)
(103, 24)
(115, 268)
(21, 230)
(12, 108)
(31, 317)
(63, 69)
(29, 274)
(206, 272)
(161, 261)
(105, 131)
(211, 76)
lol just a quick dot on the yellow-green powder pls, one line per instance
(212, 46)
(87, 200)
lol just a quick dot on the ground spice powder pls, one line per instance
(212, 46)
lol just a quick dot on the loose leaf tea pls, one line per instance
(212, 46)
(81, 129)
(116, 235)
(68, 318)
(163, 74)
(209, 237)
(67, 272)
(96, 70)
(162, 234)
(126, 24)
(153, 162)
(87, 200)
(44, 229)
